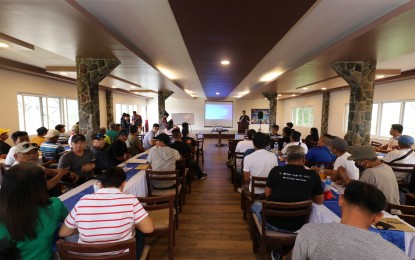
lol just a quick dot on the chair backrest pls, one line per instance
(257, 182)
(238, 156)
(408, 168)
(159, 203)
(201, 141)
(72, 251)
(285, 210)
(375, 144)
(232, 145)
(160, 176)
(405, 209)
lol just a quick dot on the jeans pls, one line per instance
(256, 208)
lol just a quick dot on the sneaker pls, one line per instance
(240, 190)
(275, 255)
(203, 177)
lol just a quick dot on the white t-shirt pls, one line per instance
(351, 170)
(393, 142)
(395, 154)
(284, 150)
(259, 164)
(244, 145)
(10, 156)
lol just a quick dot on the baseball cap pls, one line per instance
(75, 128)
(52, 133)
(338, 144)
(363, 152)
(25, 147)
(77, 138)
(98, 136)
(163, 137)
(406, 140)
(2, 131)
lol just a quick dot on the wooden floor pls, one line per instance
(211, 225)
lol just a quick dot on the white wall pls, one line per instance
(338, 101)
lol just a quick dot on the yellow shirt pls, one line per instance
(38, 140)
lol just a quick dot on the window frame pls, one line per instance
(310, 116)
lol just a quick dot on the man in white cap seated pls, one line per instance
(404, 155)
(375, 172)
(4, 147)
(51, 150)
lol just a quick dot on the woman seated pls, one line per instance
(312, 139)
(170, 126)
(27, 216)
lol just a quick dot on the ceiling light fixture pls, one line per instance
(380, 76)
(63, 73)
(305, 88)
(113, 87)
(279, 95)
(293, 95)
(225, 62)
(217, 93)
(132, 86)
(270, 76)
(323, 88)
(167, 73)
(3, 45)
(278, 98)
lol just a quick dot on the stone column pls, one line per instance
(325, 113)
(163, 95)
(89, 73)
(110, 107)
(360, 76)
(272, 98)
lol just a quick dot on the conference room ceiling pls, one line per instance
(178, 45)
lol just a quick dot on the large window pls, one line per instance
(124, 108)
(385, 114)
(303, 116)
(37, 110)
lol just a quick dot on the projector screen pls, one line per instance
(219, 113)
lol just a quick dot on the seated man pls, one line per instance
(163, 158)
(295, 140)
(80, 160)
(283, 187)
(112, 133)
(286, 133)
(186, 126)
(40, 138)
(102, 160)
(107, 139)
(133, 143)
(244, 145)
(342, 166)
(361, 206)
(4, 147)
(395, 131)
(118, 151)
(259, 163)
(320, 154)
(148, 140)
(74, 131)
(101, 218)
(63, 136)
(274, 135)
(50, 149)
(183, 148)
(374, 172)
(17, 137)
(404, 155)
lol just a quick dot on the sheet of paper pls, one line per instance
(136, 160)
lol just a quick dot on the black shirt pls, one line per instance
(292, 183)
(102, 160)
(244, 118)
(118, 148)
(181, 147)
(4, 147)
(281, 142)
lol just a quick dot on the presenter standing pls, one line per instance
(244, 118)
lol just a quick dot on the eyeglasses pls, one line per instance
(27, 145)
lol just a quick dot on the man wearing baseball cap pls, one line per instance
(375, 172)
(4, 147)
(102, 160)
(50, 149)
(404, 155)
(163, 158)
(118, 151)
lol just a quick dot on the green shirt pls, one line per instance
(112, 134)
(41, 247)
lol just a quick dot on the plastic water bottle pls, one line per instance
(328, 184)
(276, 147)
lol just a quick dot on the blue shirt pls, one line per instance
(320, 154)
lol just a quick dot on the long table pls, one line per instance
(329, 212)
(136, 183)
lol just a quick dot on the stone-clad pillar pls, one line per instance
(110, 107)
(272, 98)
(361, 78)
(325, 113)
(89, 73)
(163, 95)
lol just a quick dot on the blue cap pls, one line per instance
(406, 140)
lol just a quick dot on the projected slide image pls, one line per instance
(255, 119)
(218, 113)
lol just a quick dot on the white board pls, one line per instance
(179, 118)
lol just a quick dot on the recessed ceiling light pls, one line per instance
(265, 98)
(167, 73)
(225, 62)
(293, 95)
(278, 98)
(323, 88)
(380, 76)
(3, 45)
(63, 73)
(305, 88)
(217, 93)
(270, 76)
(132, 86)
(113, 87)
(279, 95)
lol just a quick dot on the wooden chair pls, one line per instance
(76, 251)
(181, 167)
(405, 186)
(249, 197)
(232, 146)
(375, 144)
(160, 210)
(237, 159)
(201, 142)
(160, 176)
(189, 172)
(410, 199)
(407, 213)
(282, 241)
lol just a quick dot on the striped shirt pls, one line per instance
(106, 216)
(51, 151)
